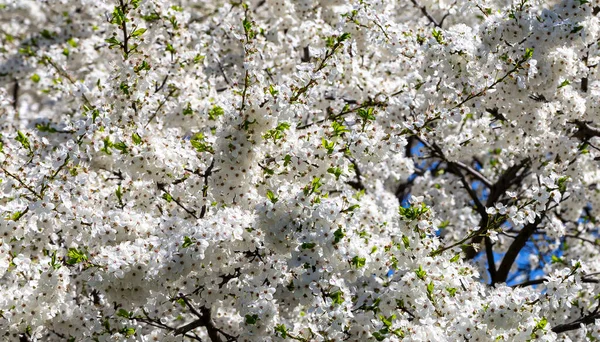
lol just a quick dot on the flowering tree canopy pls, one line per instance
(310, 170)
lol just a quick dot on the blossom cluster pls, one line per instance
(310, 170)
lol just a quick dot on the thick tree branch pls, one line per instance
(514, 175)
(588, 319)
(203, 321)
(585, 131)
(515, 248)
(585, 279)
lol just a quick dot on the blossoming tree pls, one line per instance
(310, 170)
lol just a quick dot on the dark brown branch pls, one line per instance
(514, 175)
(357, 184)
(496, 114)
(160, 105)
(588, 319)
(15, 94)
(539, 281)
(571, 236)
(489, 252)
(305, 55)
(584, 131)
(204, 321)
(163, 188)
(126, 36)
(515, 248)
(158, 324)
(426, 13)
(157, 87)
(476, 174)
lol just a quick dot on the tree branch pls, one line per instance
(514, 249)
(426, 13)
(203, 321)
(588, 319)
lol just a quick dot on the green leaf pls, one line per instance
(281, 330)
(119, 194)
(405, 241)
(15, 216)
(198, 59)
(562, 184)
(273, 91)
(367, 115)
(430, 288)
(344, 36)
(112, 42)
(118, 17)
(215, 112)
(557, 260)
(437, 34)
(351, 208)
(45, 127)
(576, 29)
(251, 319)
(188, 110)
(75, 256)
(124, 313)
(387, 321)
(174, 23)
(187, 241)
(313, 186)
(170, 48)
(247, 26)
(541, 324)
(455, 258)
(379, 336)
(136, 138)
(421, 274)
(154, 16)
(328, 145)
(412, 213)
(338, 235)
(124, 88)
(46, 34)
(167, 197)
(27, 51)
(35, 78)
(337, 297)
(308, 245)
(55, 265)
(564, 84)
(337, 172)
(287, 160)
(277, 132)
(121, 146)
(528, 54)
(141, 66)
(22, 138)
(271, 196)
(358, 262)
(200, 144)
(138, 32)
(338, 129)
(359, 194)
(128, 332)
(72, 42)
